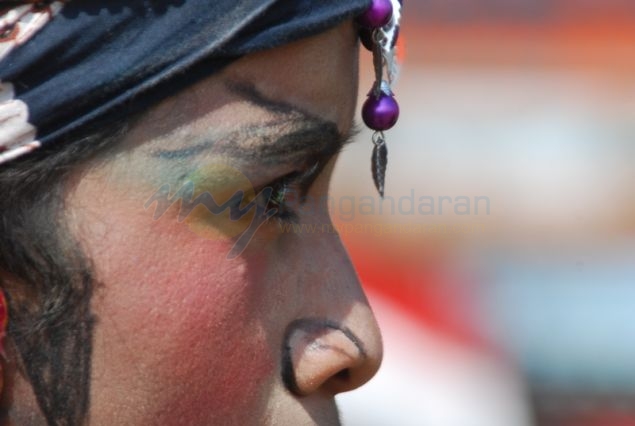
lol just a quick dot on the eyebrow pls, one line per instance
(294, 136)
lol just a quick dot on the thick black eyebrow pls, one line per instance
(293, 137)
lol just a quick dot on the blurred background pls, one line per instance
(501, 264)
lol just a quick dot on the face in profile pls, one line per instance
(230, 316)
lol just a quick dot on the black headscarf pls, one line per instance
(102, 59)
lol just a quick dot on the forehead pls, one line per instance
(317, 75)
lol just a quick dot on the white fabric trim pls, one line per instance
(17, 135)
(18, 151)
(14, 116)
(26, 21)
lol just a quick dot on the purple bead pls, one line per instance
(380, 113)
(378, 14)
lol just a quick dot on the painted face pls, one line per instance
(250, 313)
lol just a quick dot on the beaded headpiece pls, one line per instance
(379, 33)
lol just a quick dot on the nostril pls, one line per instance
(343, 375)
(320, 354)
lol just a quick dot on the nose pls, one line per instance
(324, 356)
(338, 348)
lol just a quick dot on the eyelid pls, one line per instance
(302, 179)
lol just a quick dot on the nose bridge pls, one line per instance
(331, 284)
(336, 344)
(335, 252)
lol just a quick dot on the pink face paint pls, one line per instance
(176, 318)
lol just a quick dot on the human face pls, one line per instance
(187, 333)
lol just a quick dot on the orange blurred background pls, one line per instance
(523, 312)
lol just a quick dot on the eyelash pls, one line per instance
(299, 183)
(280, 189)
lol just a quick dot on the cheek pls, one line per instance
(206, 323)
(177, 321)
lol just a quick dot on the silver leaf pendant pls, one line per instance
(379, 162)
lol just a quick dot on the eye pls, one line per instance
(284, 192)
(288, 192)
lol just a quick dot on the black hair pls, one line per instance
(45, 275)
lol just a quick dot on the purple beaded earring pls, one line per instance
(379, 33)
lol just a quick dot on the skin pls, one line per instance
(185, 335)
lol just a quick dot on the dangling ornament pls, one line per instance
(379, 32)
